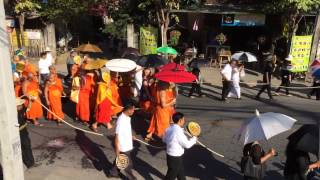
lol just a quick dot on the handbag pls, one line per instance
(250, 169)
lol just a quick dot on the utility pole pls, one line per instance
(316, 38)
(10, 147)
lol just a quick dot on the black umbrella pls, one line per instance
(306, 139)
(152, 60)
(132, 51)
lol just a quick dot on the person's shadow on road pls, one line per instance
(200, 163)
(142, 167)
(93, 152)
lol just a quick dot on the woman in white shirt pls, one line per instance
(237, 74)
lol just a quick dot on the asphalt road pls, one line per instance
(63, 153)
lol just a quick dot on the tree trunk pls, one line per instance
(66, 37)
(21, 24)
(316, 38)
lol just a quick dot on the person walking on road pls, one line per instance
(268, 70)
(226, 73)
(316, 83)
(286, 76)
(254, 160)
(196, 85)
(124, 140)
(176, 142)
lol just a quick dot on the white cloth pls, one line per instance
(44, 65)
(124, 133)
(138, 79)
(49, 57)
(235, 90)
(176, 141)
(227, 71)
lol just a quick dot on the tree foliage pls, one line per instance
(26, 6)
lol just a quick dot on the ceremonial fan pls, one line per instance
(122, 161)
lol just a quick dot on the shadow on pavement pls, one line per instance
(200, 164)
(93, 152)
(142, 167)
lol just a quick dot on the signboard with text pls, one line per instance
(300, 51)
(148, 40)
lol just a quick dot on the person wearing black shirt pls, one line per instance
(258, 156)
(268, 69)
(27, 156)
(285, 77)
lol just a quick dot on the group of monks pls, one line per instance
(98, 95)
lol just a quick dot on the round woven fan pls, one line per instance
(122, 161)
(194, 128)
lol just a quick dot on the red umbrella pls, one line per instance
(173, 66)
(176, 76)
(315, 63)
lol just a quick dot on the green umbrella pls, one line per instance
(167, 50)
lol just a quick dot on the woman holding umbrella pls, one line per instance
(165, 100)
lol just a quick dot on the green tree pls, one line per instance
(64, 11)
(23, 8)
(292, 12)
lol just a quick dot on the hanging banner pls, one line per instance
(148, 40)
(300, 51)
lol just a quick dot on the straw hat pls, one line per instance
(20, 66)
(106, 77)
(97, 64)
(19, 101)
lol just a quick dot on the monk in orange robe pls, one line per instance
(125, 89)
(86, 91)
(165, 100)
(53, 92)
(32, 90)
(115, 95)
(105, 103)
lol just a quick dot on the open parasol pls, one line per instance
(151, 60)
(176, 76)
(131, 51)
(167, 50)
(264, 126)
(173, 66)
(97, 64)
(89, 48)
(244, 57)
(121, 65)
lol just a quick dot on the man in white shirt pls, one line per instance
(176, 142)
(44, 65)
(124, 140)
(226, 73)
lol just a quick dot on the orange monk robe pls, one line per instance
(161, 116)
(30, 68)
(104, 103)
(116, 98)
(83, 105)
(35, 111)
(54, 97)
(18, 89)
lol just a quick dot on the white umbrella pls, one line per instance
(264, 126)
(244, 57)
(121, 65)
